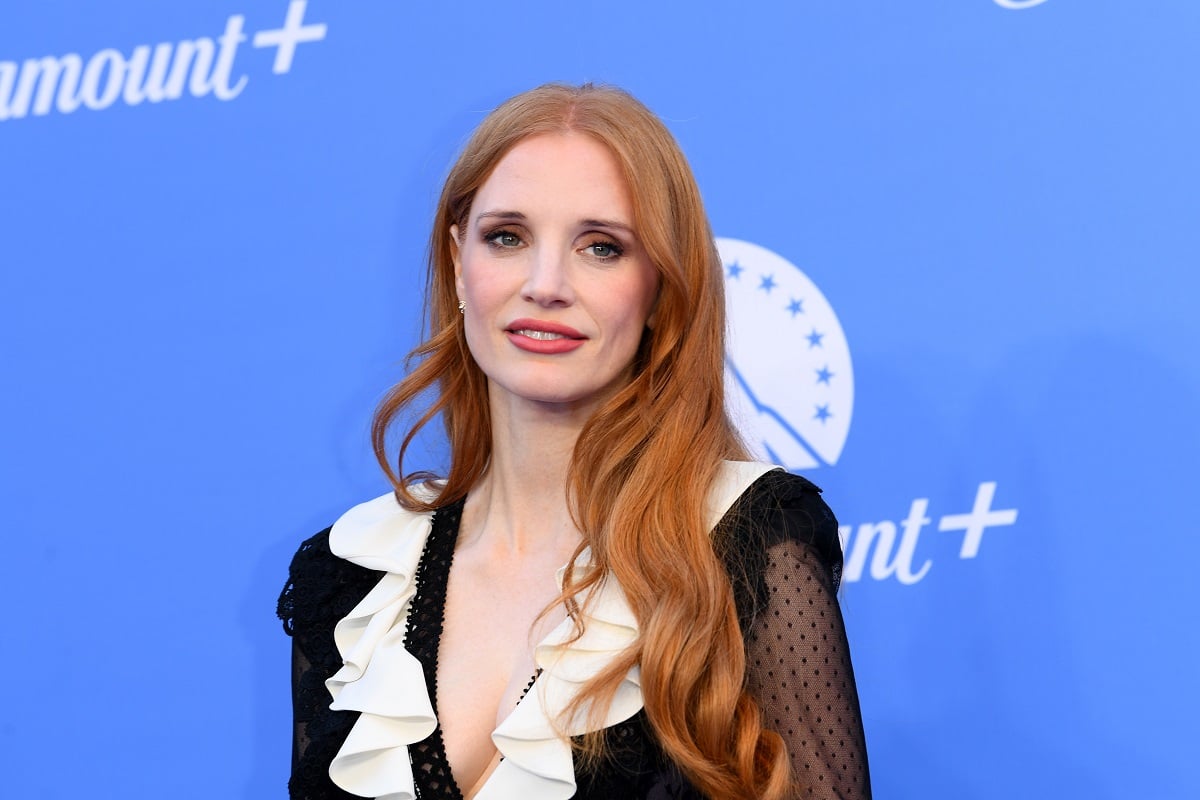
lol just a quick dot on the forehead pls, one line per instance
(568, 172)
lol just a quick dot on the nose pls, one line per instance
(548, 282)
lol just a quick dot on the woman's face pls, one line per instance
(558, 288)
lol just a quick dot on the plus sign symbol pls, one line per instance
(979, 519)
(285, 39)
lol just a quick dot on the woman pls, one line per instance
(692, 645)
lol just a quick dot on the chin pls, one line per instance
(555, 396)
(565, 399)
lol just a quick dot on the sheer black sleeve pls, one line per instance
(321, 589)
(780, 542)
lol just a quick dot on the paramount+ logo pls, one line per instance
(196, 67)
(789, 382)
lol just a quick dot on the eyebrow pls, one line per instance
(607, 223)
(517, 216)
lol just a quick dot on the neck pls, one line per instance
(520, 505)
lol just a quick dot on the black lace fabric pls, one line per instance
(798, 661)
(780, 544)
(431, 768)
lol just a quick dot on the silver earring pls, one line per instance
(462, 306)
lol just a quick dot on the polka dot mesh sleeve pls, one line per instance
(798, 660)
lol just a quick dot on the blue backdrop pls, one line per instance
(978, 217)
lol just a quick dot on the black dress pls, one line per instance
(779, 542)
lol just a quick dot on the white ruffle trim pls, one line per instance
(385, 683)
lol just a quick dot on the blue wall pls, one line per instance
(205, 296)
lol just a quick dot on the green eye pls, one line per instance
(503, 239)
(605, 250)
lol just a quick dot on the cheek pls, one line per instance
(479, 285)
(632, 313)
(645, 293)
(479, 343)
(487, 291)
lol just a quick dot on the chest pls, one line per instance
(492, 621)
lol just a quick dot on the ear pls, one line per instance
(456, 257)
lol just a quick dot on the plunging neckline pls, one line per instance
(422, 637)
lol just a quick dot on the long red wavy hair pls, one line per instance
(642, 465)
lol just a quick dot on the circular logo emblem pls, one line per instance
(788, 378)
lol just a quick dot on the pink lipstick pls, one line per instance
(540, 336)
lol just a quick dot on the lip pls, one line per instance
(527, 324)
(571, 338)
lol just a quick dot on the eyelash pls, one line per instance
(493, 239)
(616, 250)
